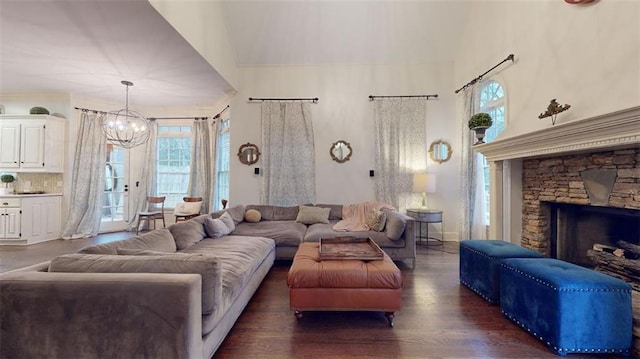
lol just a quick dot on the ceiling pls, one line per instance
(87, 47)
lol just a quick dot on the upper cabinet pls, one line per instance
(32, 143)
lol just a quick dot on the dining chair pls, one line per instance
(189, 209)
(155, 211)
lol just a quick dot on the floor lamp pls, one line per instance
(424, 183)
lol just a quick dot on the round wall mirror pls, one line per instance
(249, 153)
(340, 151)
(440, 151)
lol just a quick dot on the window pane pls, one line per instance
(174, 163)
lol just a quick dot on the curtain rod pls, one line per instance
(179, 118)
(89, 110)
(372, 97)
(474, 81)
(312, 99)
(217, 116)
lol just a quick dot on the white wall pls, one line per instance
(585, 56)
(344, 112)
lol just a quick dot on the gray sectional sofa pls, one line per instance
(169, 293)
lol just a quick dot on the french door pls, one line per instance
(115, 208)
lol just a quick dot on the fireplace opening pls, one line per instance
(574, 229)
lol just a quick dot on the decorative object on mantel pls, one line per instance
(6, 179)
(125, 128)
(479, 124)
(38, 111)
(553, 110)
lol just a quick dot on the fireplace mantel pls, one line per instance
(620, 129)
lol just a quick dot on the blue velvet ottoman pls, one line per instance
(480, 264)
(570, 308)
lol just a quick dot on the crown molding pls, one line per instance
(615, 130)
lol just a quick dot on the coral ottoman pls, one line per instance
(335, 285)
(480, 264)
(570, 308)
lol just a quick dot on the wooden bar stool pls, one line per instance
(155, 211)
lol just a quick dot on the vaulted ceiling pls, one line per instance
(87, 47)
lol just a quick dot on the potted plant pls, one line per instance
(6, 179)
(479, 124)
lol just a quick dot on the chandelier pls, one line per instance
(125, 128)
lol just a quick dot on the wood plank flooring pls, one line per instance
(440, 318)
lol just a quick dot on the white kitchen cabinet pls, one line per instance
(10, 214)
(32, 143)
(41, 218)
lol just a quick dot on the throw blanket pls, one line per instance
(354, 216)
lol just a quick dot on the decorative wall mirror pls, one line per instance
(340, 151)
(440, 151)
(249, 153)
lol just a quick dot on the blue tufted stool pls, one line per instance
(570, 308)
(480, 264)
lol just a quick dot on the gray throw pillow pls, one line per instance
(395, 225)
(207, 266)
(187, 233)
(228, 221)
(312, 215)
(215, 228)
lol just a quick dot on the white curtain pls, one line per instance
(473, 206)
(201, 175)
(88, 179)
(146, 184)
(288, 154)
(400, 143)
(214, 132)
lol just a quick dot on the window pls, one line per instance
(492, 102)
(174, 163)
(222, 164)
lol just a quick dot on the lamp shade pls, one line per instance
(424, 182)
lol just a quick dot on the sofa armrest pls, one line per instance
(409, 234)
(107, 315)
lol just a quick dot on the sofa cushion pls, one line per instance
(215, 228)
(228, 221)
(252, 216)
(376, 219)
(207, 266)
(284, 233)
(276, 213)
(237, 213)
(336, 210)
(311, 215)
(159, 240)
(187, 233)
(140, 252)
(396, 224)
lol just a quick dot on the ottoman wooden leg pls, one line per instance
(390, 316)
(298, 314)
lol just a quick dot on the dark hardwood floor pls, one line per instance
(440, 318)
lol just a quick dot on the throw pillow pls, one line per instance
(215, 228)
(396, 224)
(207, 266)
(187, 208)
(237, 213)
(312, 215)
(187, 233)
(252, 216)
(228, 221)
(376, 220)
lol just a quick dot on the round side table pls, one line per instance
(426, 216)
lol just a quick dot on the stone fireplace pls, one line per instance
(562, 189)
(557, 201)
